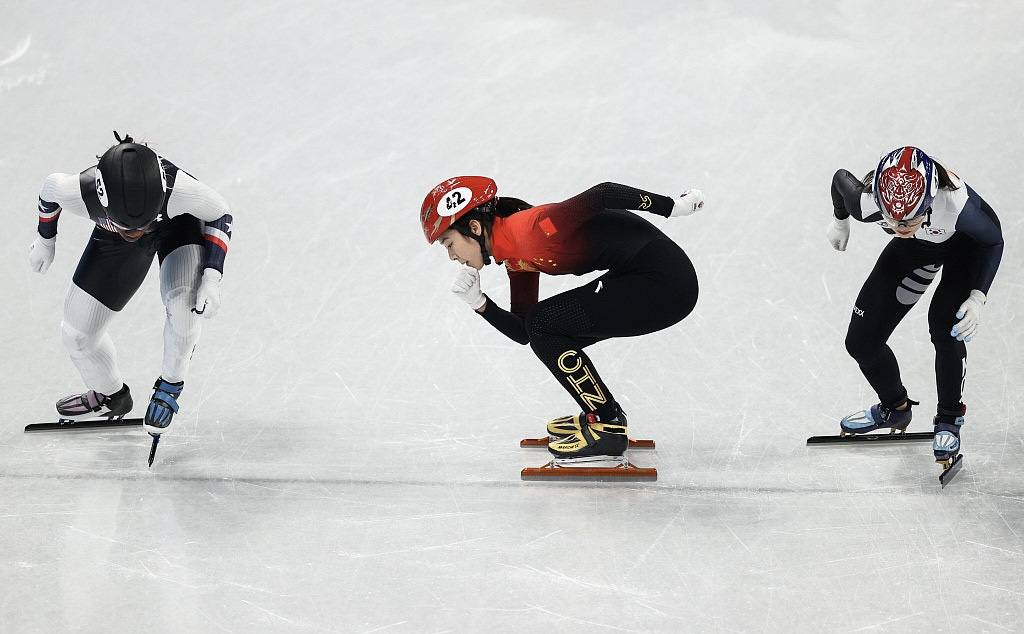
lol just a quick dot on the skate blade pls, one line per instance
(887, 438)
(596, 461)
(623, 472)
(952, 467)
(66, 424)
(543, 442)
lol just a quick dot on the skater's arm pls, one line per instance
(49, 213)
(851, 197)
(979, 221)
(511, 325)
(59, 192)
(192, 197)
(523, 289)
(617, 196)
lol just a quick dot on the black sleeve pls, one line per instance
(511, 325)
(846, 193)
(616, 196)
(980, 223)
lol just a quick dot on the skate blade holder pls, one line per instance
(859, 439)
(592, 470)
(81, 424)
(543, 442)
(950, 469)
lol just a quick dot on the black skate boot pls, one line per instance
(92, 404)
(946, 442)
(879, 416)
(596, 440)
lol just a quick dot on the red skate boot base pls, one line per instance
(543, 442)
(622, 471)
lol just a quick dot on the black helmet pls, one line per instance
(130, 184)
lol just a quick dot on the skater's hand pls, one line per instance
(208, 295)
(467, 288)
(690, 202)
(839, 233)
(40, 253)
(969, 316)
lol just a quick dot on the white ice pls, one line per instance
(346, 458)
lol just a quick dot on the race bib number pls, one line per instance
(454, 201)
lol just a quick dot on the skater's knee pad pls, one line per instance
(76, 341)
(178, 303)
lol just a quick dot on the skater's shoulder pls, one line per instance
(189, 195)
(61, 185)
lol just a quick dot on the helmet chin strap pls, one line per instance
(483, 248)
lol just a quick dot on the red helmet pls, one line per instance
(453, 199)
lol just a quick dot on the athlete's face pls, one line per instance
(130, 235)
(463, 249)
(907, 228)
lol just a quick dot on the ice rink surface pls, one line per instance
(346, 458)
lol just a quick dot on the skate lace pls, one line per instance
(886, 412)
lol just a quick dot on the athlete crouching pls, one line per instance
(939, 223)
(649, 285)
(142, 205)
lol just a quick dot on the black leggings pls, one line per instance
(111, 268)
(657, 288)
(903, 272)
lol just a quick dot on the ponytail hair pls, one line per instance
(947, 179)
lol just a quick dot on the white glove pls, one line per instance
(208, 295)
(691, 201)
(969, 316)
(40, 253)
(839, 233)
(467, 288)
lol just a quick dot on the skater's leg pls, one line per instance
(109, 273)
(180, 254)
(660, 292)
(179, 280)
(950, 354)
(899, 278)
(85, 336)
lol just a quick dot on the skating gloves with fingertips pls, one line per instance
(969, 316)
(690, 202)
(839, 233)
(467, 287)
(40, 253)
(208, 295)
